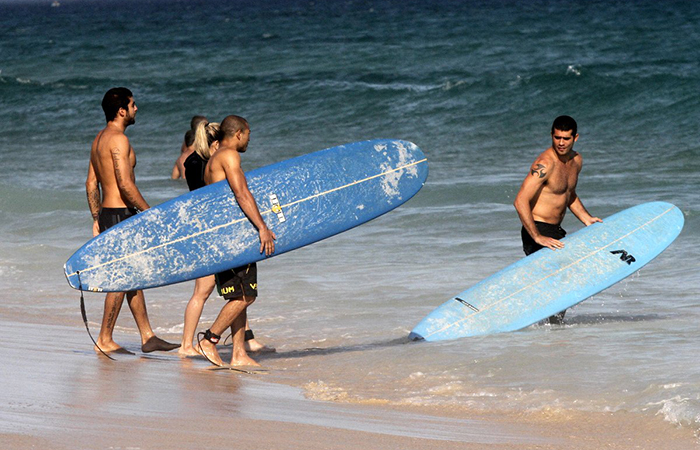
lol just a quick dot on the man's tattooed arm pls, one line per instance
(538, 170)
(125, 181)
(93, 198)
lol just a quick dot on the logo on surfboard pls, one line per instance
(624, 256)
(277, 208)
(467, 304)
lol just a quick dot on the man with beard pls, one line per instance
(111, 170)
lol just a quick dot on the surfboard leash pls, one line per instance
(84, 314)
(211, 337)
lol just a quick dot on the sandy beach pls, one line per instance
(475, 85)
(58, 394)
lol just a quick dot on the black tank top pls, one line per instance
(194, 171)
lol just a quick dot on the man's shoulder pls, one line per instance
(108, 139)
(227, 155)
(546, 156)
(578, 160)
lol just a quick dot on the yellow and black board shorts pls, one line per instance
(237, 282)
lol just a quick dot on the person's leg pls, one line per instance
(203, 288)
(113, 301)
(149, 341)
(239, 356)
(105, 341)
(530, 247)
(228, 314)
(252, 344)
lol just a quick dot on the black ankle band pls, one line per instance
(249, 336)
(211, 337)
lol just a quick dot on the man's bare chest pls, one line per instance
(563, 179)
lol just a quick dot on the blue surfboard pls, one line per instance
(302, 200)
(549, 281)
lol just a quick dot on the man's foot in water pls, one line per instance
(185, 352)
(254, 346)
(243, 360)
(111, 348)
(155, 344)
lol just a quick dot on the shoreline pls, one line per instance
(59, 394)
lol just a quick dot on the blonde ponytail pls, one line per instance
(204, 135)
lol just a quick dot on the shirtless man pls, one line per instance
(238, 286)
(548, 189)
(112, 161)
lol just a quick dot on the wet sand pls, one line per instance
(58, 394)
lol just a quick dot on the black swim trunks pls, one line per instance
(109, 217)
(235, 283)
(545, 229)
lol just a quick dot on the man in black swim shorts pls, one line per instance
(548, 190)
(113, 197)
(545, 229)
(239, 286)
(109, 217)
(205, 143)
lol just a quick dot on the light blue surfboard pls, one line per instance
(302, 200)
(549, 281)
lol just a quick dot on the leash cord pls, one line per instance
(84, 314)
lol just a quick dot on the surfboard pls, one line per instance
(550, 281)
(302, 200)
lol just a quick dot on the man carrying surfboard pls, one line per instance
(548, 190)
(239, 285)
(111, 169)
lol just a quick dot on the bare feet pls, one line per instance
(116, 349)
(185, 352)
(254, 346)
(209, 351)
(243, 360)
(157, 344)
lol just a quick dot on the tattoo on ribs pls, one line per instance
(538, 169)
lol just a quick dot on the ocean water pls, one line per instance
(476, 85)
